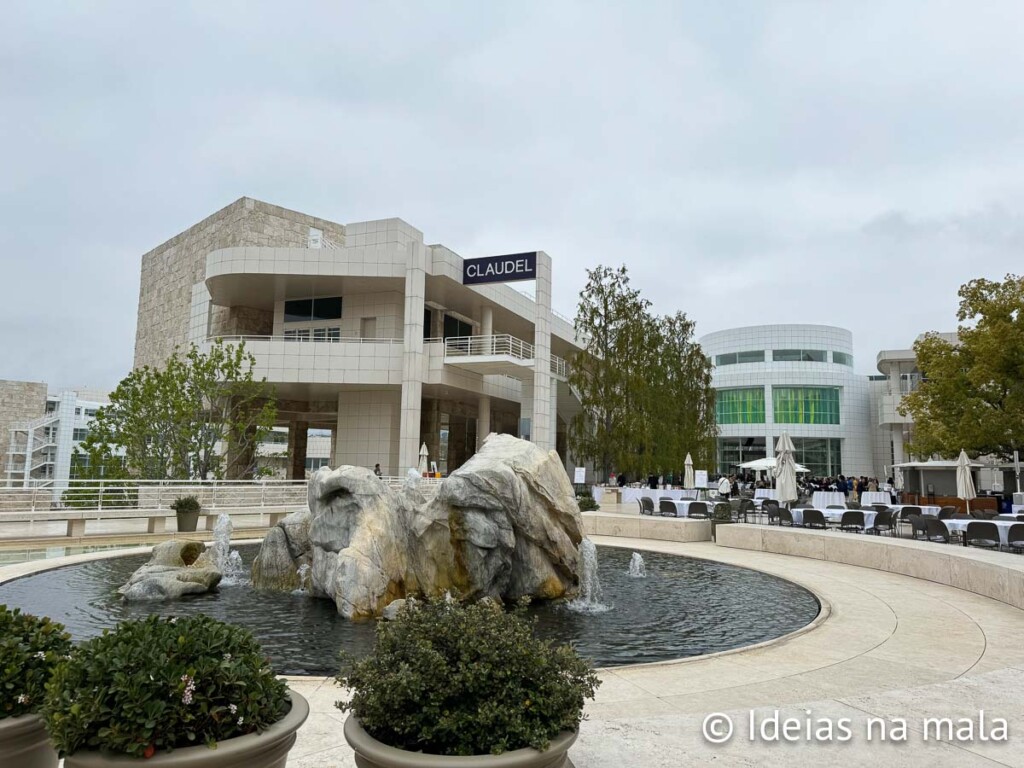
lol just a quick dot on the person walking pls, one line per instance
(724, 487)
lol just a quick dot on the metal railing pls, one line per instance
(307, 340)
(500, 344)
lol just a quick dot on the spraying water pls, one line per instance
(637, 569)
(589, 600)
(303, 580)
(227, 560)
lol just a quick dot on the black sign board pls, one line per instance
(500, 269)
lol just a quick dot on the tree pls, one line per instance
(644, 384)
(201, 416)
(972, 393)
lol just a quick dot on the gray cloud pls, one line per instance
(843, 163)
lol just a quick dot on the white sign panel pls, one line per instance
(700, 478)
(580, 475)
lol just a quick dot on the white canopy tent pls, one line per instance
(768, 465)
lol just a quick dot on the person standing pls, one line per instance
(376, 470)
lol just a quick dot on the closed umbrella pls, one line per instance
(424, 455)
(897, 478)
(785, 470)
(688, 473)
(964, 479)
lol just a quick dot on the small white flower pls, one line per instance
(241, 720)
(174, 619)
(227, 657)
(190, 687)
(23, 699)
(40, 654)
(232, 709)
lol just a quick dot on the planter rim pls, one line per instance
(17, 727)
(281, 730)
(362, 742)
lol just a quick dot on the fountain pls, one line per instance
(589, 600)
(637, 569)
(225, 559)
(303, 574)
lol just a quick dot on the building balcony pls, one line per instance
(498, 354)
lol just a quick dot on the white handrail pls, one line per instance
(307, 340)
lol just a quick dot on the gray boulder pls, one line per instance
(286, 548)
(176, 568)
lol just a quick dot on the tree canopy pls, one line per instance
(644, 384)
(972, 393)
(203, 415)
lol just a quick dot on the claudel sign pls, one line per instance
(500, 269)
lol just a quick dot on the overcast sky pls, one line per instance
(750, 162)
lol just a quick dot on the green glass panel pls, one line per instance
(806, 405)
(740, 406)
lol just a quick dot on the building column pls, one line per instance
(483, 420)
(898, 455)
(414, 363)
(526, 408)
(298, 438)
(487, 326)
(543, 434)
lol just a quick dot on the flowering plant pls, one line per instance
(161, 683)
(30, 646)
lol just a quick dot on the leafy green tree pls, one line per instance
(644, 384)
(203, 415)
(972, 395)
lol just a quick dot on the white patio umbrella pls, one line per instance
(785, 470)
(964, 479)
(424, 455)
(688, 472)
(897, 478)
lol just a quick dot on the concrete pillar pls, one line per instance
(487, 326)
(898, 455)
(543, 434)
(414, 363)
(526, 409)
(298, 438)
(483, 420)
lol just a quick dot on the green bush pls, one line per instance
(161, 683)
(586, 502)
(186, 504)
(449, 679)
(30, 647)
(722, 513)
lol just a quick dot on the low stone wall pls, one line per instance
(998, 575)
(646, 527)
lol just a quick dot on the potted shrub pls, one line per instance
(187, 509)
(457, 686)
(30, 647)
(586, 502)
(720, 515)
(171, 691)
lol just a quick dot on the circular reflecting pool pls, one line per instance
(683, 607)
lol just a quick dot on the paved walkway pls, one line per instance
(891, 647)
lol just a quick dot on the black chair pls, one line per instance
(814, 518)
(882, 523)
(837, 506)
(853, 505)
(981, 533)
(1015, 537)
(879, 507)
(697, 510)
(771, 508)
(646, 505)
(918, 527)
(946, 513)
(852, 521)
(904, 516)
(746, 509)
(961, 516)
(935, 530)
(666, 508)
(786, 518)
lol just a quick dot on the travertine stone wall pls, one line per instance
(19, 401)
(170, 270)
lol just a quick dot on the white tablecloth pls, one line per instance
(683, 508)
(764, 493)
(634, 494)
(926, 510)
(961, 525)
(1018, 509)
(875, 497)
(834, 516)
(822, 499)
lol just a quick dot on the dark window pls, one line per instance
(786, 355)
(426, 322)
(454, 327)
(327, 308)
(727, 359)
(298, 311)
(756, 356)
(79, 434)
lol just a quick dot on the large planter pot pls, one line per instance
(255, 750)
(187, 521)
(24, 743)
(370, 753)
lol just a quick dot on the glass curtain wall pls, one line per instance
(740, 406)
(823, 456)
(806, 405)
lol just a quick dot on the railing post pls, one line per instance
(99, 502)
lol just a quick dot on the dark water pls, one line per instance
(685, 607)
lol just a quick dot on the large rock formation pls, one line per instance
(505, 525)
(176, 568)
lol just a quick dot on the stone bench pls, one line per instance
(646, 527)
(998, 575)
(156, 519)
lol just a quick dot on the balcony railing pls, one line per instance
(339, 340)
(502, 345)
